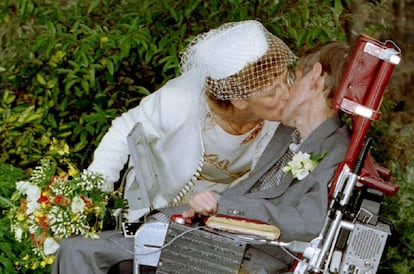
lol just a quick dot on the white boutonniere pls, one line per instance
(302, 164)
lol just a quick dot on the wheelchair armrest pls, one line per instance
(384, 187)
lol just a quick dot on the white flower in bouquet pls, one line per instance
(22, 186)
(77, 205)
(18, 234)
(50, 246)
(31, 191)
(32, 206)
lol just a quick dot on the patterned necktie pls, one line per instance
(274, 176)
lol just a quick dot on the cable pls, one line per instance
(161, 248)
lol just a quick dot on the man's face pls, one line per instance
(269, 105)
(298, 95)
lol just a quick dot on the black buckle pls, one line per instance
(130, 229)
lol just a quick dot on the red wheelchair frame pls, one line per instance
(353, 240)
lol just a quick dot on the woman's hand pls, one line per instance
(203, 203)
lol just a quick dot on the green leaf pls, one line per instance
(125, 47)
(68, 85)
(109, 66)
(93, 4)
(85, 85)
(4, 202)
(29, 115)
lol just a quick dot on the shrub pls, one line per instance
(9, 249)
(399, 209)
(68, 70)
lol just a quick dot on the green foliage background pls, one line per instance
(67, 68)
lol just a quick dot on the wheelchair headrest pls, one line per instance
(366, 76)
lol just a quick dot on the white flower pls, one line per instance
(21, 186)
(77, 205)
(31, 191)
(91, 180)
(50, 246)
(301, 165)
(32, 206)
(18, 233)
(33, 226)
(301, 173)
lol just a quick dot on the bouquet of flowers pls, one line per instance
(52, 207)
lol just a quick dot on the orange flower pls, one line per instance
(23, 206)
(61, 200)
(43, 199)
(53, 179)
(38, 240)
(61, 178)
(43, 222)
(87, 201)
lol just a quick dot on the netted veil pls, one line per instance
(237, 59)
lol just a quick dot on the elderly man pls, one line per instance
(277, 191)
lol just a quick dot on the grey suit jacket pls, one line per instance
(298, 208)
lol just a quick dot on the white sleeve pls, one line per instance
(112, 152)
(158, 113)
